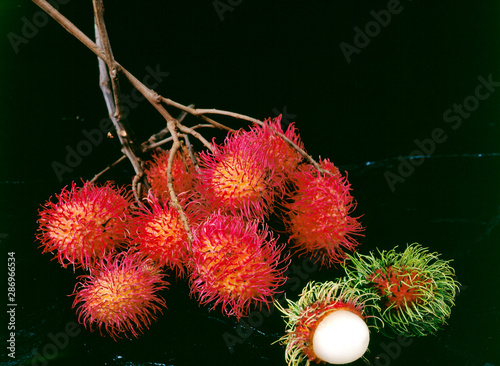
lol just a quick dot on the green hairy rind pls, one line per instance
(346, 291)
(436, 298)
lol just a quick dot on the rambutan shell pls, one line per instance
(85, 223)
(160, 234)
(235, 264)
(120, 296)
(318, 214)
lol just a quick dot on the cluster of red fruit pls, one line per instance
(228, 194)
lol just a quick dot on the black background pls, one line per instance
(261, 59)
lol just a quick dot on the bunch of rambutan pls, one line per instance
(220, 240)
(218, 235)
(89, 227)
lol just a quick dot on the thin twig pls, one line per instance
(157, 139)
(157, 144)
(227, 113)
(98, 175)
(71, 28)
(106, 46)
(136, 188)
(191, 153)
(301, 151)
(151, 96)
(196, 134)
(122, 133)
(205, 125)
(173, 196)
(193, 112)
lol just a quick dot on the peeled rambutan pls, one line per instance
(318, 214)
(417, 289)
(85, 223)
(328, 323)
(235, 264)
(160, 234)
(120, 295)
(238, 177)
(182, 173)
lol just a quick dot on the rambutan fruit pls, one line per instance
(328, 323)
(318, 214)
(238, 177)
(235, 264)
(417, 289)
(120, 295)
(286, 158)
(183, 171)
(85, 223)
(160, 234)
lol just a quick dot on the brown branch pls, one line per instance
(98, 175)
(196, 134)
(71, 28)
(158, 138)
(106, 46)
(301, 151)
(159, 143)
(112, 102)
(193, 112)
(137, 188)
(191, 153)
(153, 97)
(173, 196)
(230, 114)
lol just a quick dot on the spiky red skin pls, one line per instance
(309, 319)
(160, 235)
(238, 177)
(399, 287)
(319, 217)
(120, 296)
(85, 223)
(235, 264)
(182, 174)
(285, 157)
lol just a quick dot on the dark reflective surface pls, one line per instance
(264, 59)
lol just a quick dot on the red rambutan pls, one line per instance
(235, 264)
(160, 235)
(318, 214)
(85, 223)
(238, 177)
(119, 296)
(182, 173)
(285, 157)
